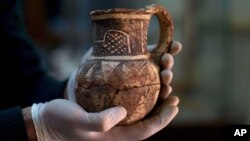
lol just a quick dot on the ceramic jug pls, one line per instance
(121, 71)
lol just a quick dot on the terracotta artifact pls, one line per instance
(120, 70)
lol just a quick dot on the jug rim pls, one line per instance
(119, 11)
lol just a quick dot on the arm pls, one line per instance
(15, 123)
(31, 133)
(12, 126)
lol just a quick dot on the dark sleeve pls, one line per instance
(24, 79)
(12, 127)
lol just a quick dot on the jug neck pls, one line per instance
(120, 34)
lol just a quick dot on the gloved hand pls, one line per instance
(63, 120)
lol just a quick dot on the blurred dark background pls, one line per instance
(211, 74)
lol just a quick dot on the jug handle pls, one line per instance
(166, 30)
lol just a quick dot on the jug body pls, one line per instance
(120, 71)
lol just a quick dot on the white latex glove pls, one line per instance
(63, 120)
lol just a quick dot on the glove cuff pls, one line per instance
(38, 121)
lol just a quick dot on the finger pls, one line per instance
(175, 48)
(171, 101)
(168, 102)
(146, 128)
(70, 89)
(105, 120)
(167, 61)
(166, 77)
(165, 92)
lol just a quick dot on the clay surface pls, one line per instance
(132, 84)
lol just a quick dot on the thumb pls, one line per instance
(85, 56)
(70, 88)
(105, 120)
